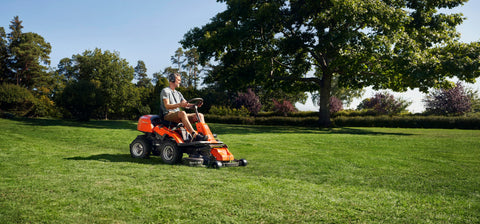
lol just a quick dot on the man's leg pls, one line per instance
(193, 118)
(178, 117)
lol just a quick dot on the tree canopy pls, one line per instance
(23, 56)
(302, 45)
(110, 74)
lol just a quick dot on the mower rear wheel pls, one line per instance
(140, 147)
(170, 153)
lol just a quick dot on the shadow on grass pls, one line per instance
(99, 124)
(118, 158)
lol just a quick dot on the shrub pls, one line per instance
(283, 107)
(364, 121)
(227, 111)
(383, 104)
(335, 105)
(16, 99)
(81, 99)
(448, 101)
(250, 101)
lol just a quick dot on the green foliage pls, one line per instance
(304, 120)
(114, 78)
(141, 75)
(355, 113)
(409, 122)
(227, 111)
(474, 96)
(23, 61)
(27, 53)
(4, 70)
(16, 99)
(81, 99)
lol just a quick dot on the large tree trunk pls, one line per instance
(325, 89)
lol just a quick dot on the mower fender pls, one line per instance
(164, 131)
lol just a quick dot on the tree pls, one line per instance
(193, 67)
(141, 75)
(28, 51)
(449, 101)
(178, 59)
(23, 61)
(114, 77)
(81, 99)
(4, 70)
(381, 43)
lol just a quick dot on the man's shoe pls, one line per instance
(200, 137)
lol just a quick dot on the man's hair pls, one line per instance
(172, 77)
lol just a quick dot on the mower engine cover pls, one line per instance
(145, 123)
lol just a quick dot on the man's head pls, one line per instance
(175, 79)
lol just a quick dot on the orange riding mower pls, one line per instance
(171, 140)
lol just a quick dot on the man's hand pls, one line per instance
(184, 104)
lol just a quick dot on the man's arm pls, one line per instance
(169, 106)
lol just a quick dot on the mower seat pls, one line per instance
(158, 120)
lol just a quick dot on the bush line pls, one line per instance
(359, 121)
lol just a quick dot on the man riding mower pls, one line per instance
(170, 140)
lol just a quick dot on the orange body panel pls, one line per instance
(164, 131)
(145, 124)
(205, 130)
(222, 154)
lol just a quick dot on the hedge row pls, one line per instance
(276, 120)
(342, 113)
(363, 121)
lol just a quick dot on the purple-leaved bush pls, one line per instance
(448, 101)
(250, 101)
(384, 103)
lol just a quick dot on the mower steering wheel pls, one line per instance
(196, 101)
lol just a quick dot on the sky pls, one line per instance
(150, 30)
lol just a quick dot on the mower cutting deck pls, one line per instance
(170, 140)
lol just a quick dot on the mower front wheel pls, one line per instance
(170, 153)
(140, 147)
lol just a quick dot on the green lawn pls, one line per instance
(55, 171)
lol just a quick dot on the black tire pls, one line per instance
(217, 165)
(140, 147)
(170, 153)
(242, 162)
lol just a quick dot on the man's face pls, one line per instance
(178, 80)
